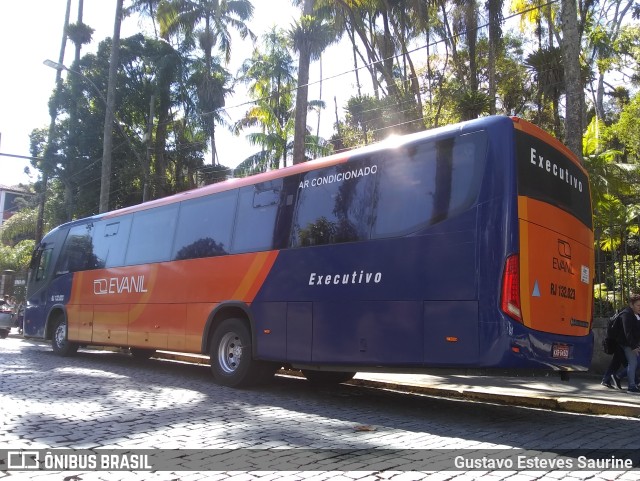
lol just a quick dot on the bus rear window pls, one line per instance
(548, 175)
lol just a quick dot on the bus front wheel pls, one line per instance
(59, 339)
(232, 361)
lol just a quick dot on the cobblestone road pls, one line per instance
(102, 399)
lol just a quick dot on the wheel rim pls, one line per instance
(61, 334)
(230, 352)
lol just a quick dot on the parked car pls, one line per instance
(6, 319)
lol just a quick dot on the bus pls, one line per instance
(466, 246)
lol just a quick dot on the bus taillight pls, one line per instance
(511, 288)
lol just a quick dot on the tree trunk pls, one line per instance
(47, 164)
(300, 129)
(70, 189)
(107, 146)
(495, 34)
(574, 90)
(471, 26)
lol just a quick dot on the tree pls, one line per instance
(19, 227)
(570, 46)
(270, 77)
(547, 65)
(186, 16)
(107, 145)
(16, 258)
(310, 36)
(46, 165)
(602, 50)
(494, 10)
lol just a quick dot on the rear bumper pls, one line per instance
(537, 349)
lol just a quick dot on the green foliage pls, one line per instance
(16, 258)
(80, 33)
(424, 69)
(627, 130)
(20, 226)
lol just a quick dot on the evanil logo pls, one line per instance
(355, 277)
(119, 285)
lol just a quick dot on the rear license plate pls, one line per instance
(560, 351)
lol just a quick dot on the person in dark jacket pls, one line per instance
(627, 336)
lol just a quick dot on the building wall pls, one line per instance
(8, 197)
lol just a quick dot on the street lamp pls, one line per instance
(59, 66)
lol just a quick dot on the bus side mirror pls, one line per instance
(35, 258)
(37, 253)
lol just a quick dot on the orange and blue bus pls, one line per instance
(467, 246)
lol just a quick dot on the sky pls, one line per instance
(31, 31)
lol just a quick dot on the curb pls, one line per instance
(573, 405)
(565, 404)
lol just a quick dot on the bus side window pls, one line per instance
(256, 220)
(205, 226)
(335, 204)
(152, 233)
(110, 241)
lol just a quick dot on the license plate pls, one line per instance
(560, 351)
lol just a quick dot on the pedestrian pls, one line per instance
(611, 378)
(627, 337)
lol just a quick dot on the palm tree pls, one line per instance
(270, 77)
(494, 10)
(47, 164)
(546, 64)
(79, 34)
(107, 145)
(187, 17)
(310, 36)
(273, 138)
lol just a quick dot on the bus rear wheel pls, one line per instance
(59, 339)
(232, 360)
(327, 377)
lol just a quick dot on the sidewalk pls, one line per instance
(582, 393)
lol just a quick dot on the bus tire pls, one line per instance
(327, 377)
(141, 353)
(3, 333)
(232, 362)
(59, 339)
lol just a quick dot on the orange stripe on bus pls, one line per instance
(256, 274)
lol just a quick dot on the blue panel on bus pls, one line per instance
(440, 265)
(451, 332)
(269, 329)
(367, 332)
(299, 331)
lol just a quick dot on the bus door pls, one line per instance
(556, 240)
(40, 270)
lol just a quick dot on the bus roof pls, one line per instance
(335, 159)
